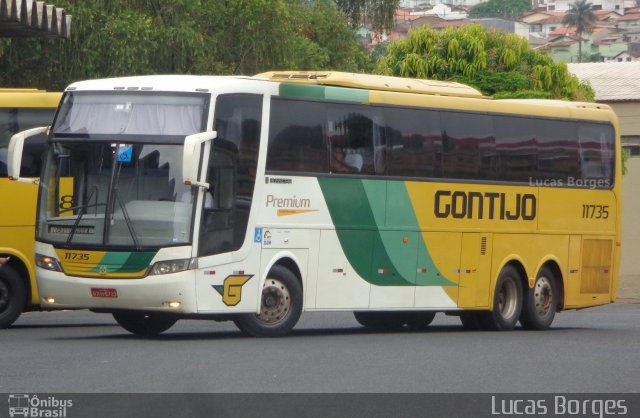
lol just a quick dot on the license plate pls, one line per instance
(100, 292)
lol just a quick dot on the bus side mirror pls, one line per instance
(14, 153)
(191, 157)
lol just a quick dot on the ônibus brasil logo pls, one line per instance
(23, 405)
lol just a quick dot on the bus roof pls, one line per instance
(373, 82)
(379, 90)
(170, 83)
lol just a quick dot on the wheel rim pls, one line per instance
(508, 298)
(4, 295)
(543, 296)
(276, 302)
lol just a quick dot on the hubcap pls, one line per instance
(276, 302)
(543, 296)
(508, 298)
(4, 296)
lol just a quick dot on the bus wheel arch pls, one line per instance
(281, 302)
(541, 302)
(291, 265)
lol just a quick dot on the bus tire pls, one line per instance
(280, 306)
(540, 303)
(145, 324)
(381, 321)
(13, 296)
(507, 302)
(419, 320)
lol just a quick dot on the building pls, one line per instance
(564, 5)
(618, 85)
(30, 18)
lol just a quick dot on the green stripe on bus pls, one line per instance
(302, 90)
(125, 262)
(378, 252)
(404, 216)
(350, 95)
(322, 92)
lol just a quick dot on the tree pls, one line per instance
(379, 14)
(582, 17)
(494, 62)
(129, 37)
(506, 9)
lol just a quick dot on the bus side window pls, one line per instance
(350, 133)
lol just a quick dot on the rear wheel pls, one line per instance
(145, 324)
(507, 302)
(13, 296)
(280, 308)
(540, 303)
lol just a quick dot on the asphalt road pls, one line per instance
(594, 350)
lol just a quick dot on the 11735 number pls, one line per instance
(595, 211)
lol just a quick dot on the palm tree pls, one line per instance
(580, 16)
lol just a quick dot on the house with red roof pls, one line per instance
(564, 5)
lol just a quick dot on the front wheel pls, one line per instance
(145, 324)
(507, 302)
(540, 303)
(13, 296)
(280, 307)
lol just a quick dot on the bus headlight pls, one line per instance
(47, 263)
(170, 266)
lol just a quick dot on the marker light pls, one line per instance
(49, 299)
(172, 305)
(47, 263)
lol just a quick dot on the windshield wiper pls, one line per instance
(83, 211)
(127, 219)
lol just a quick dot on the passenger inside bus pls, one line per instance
(345, 163)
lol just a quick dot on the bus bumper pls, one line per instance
(166, 293)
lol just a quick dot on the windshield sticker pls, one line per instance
(125, 153)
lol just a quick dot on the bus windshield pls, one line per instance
(124, 113)
(114, 167)
(115, 194)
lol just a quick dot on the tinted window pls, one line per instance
(431, 143)
(596, 151)
(557, 150)
(351, 134)
(415, 142)
(296, 137)
(468, 144)
(516, 148)
(16, 120)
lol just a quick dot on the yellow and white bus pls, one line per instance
(20, 109)
(253, 199)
